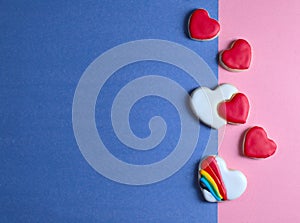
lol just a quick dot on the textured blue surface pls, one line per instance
(45, 46)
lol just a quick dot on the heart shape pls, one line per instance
(235, 110)
(257, 144)
(217, 182)
(238, 57)
(202, 27)
(204, 103)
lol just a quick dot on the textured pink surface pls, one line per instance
(272, 85)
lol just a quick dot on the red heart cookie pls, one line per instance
(202, 27)
(257, 144)
(238, 57)
(235, 110)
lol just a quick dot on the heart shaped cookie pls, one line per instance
(235, 110)
(204, 103)
(238, 57)
(217, 182)
(202, 27)
(257, 144)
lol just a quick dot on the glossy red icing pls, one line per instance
(238, 57)
(235, 110)
(202, 27)
(209, 164)
(257, 144)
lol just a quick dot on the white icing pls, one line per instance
(235, 181)
(204, 103)
(208, 196)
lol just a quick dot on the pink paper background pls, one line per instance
(272, 85)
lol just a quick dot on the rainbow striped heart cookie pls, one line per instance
(217, 182)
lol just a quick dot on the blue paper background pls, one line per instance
(45, 46)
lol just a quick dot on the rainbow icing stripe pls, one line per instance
(211, 179)
(207, 178)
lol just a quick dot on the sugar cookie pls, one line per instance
(238, 57)
(204, 103)
(257, 144)
(202, 27)
(217, 182)
(235, 110)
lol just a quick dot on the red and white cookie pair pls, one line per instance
(220, 106)
(203, 28)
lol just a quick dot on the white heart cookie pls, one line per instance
(217, 182)
(204, 103)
